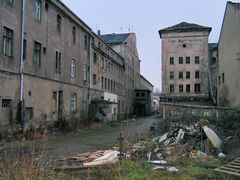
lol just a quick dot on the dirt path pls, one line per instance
(64, 145)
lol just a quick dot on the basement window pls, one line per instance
(6, 103)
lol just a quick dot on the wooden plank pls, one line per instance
(226, 168)
(233, 173)
(232, 166)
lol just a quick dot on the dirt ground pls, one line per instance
(61, 146)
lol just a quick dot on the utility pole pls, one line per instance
(21, 104)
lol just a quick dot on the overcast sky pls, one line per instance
(145, 18)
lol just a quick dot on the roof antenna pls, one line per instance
(121, 28)
(129, 28)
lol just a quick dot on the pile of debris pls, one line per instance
(179, 143)
(101, 157)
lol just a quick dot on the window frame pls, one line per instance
(73, 68)
(197, 60)
(73, 103)
(188, 74)
(180, 60)
(38, 10)
(171, 60)
(37, 49)
(188, 60)
(7, 49)
(58, 62)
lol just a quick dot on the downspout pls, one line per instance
(21, 61)
(90, 73)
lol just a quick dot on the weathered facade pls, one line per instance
(125, 45)
(185, 64)
(229, 58)
(68, 70)
(143, 104)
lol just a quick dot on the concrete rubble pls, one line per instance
(180, 142)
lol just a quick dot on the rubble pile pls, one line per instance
(101, 157)
(179, 143)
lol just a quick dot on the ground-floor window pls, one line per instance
(74, 102)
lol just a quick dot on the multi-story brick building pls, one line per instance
(185, 63)
(66, 66)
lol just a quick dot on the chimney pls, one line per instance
(98, 32)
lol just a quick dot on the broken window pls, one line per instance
(85, 42)
(59, 23)
(7, 41)
(102, 82)
(37, 54)
(58, 62)
(180, 75)
(74, 102)
(187, 75)
(180, 60)
(172, 75)
(197, 88)
(197, 74)
(171, 60)
(24, 49)
(94, 57)
(94, 79)
(171, 88)
(180, 88)
(197, 61)
(188, 60)
(74, 34)
(6, 103)
(219, 80)
(188, 88)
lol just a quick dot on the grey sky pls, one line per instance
(145, 18)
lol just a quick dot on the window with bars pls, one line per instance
(7, 41)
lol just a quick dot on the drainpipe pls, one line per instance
(90, 73)
(21, 61)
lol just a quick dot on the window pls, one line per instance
(94, 57)
(137, 94)
(6, 103)
(180, 60)
(197, 75)
(73, 68)
(105, 87)
(74, 34)
(94, 79)
(7, 41)
(38, 10)
(58, 62)
(171, 75)
(109, 84)
(85, 43)
(37, 54)
(102, 82)
(197, 60)
(188, 88)
(223, 77)
(197, 88)
(171, 88)
(180, 88)
(187, 75)
(59, 22)
(188, 60)
(24, 49)
(73, 102)
(142, 94)
(85, 72)
(171, 60)
(219, 80)
(180, 75)
(11, 2)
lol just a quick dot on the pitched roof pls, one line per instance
(114, 38)
(185, 27)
